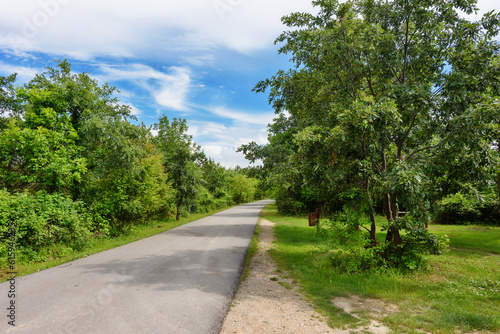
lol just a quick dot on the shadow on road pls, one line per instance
(206, 271)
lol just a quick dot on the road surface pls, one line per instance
(179, 281)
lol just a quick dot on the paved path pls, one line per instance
(180, 281)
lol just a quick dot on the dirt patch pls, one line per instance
(269, 302)
(373, 307)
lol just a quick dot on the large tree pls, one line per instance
(180, 158)
(389, 95)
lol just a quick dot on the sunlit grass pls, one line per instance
(483, 238)
(459, 291)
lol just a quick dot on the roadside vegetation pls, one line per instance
(387, 121)
(79, 173)
(455, 292)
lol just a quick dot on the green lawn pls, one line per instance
(482, 238)
(459, 292)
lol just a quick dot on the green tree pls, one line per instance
(180, 157)
(66, 133)
(38, 159)
(125, 183)
(243, 187)
(380, 91)
(77, 96)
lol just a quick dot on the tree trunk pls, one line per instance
(498, 186)
(373, 229)
(387, 206)
(393, 235)
(179, 204)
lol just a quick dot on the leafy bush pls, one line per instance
(290, 206)
(460, 209)
(126, 183)
(353, 250)
(350, 247)
(416, 242)
(202, 201)
(43, 220)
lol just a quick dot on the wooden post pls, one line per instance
(313, 217)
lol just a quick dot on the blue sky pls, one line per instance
(193, 59)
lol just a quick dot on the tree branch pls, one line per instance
(377, 167)
(364, 228)
(359, 181)
(342, 82)
(420, 150)
(409, 129)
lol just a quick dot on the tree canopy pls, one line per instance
(396, 100)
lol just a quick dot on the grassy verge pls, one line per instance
(459, 292)
(101, 244)
(252, 249)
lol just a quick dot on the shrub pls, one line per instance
(290, 202)
(460, 209)
(290, 206)
(43, 220)
(351, 247)
(353, 251)
(416, 242)
(202, 201)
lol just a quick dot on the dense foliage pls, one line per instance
(75, 164)
(391, 106)
(460, 209)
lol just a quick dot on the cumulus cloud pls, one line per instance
(169, 90)
(220, 142)
(129, 28)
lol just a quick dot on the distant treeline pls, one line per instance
(73, 166)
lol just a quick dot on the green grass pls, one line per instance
(252, 249)
(459, 292)
(482, 238)
(62, 255)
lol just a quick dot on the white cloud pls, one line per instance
(148, 28)
(243, 116)
(131, 28)
(225, 155)
(173, 91)
(220, 142)
(24, 74)
(169, 90)
(133, 109)
(212, 150)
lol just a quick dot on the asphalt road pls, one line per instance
(179, 281)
